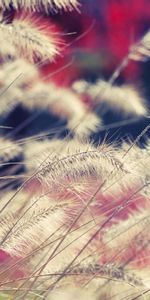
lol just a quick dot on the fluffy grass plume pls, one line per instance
(45, 5)
(124, 98)
(30, 41)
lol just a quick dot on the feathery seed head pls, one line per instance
(123, 98)
(42, 5)
(30, 41)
